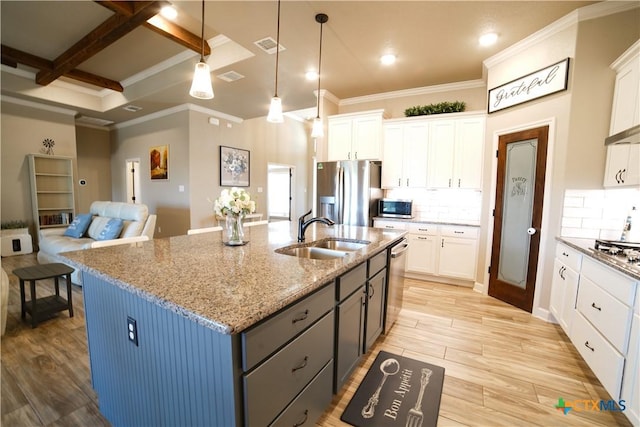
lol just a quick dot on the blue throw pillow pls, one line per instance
(79, 226)
(111, 230)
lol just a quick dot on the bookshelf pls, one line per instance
(52, 195)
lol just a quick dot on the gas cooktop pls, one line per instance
(620, 252)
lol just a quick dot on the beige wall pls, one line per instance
(22, 131)
(580, 117)
(161, 196)
(475, 99)
(94, 166)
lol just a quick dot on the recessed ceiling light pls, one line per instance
(488, 39)
(388, 59)
(169, 12)
(311, 75)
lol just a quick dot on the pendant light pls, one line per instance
(317, 130)
(275, 109)
(201, 85)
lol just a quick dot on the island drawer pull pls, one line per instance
(306, 415)
(586, 344)
(301, 317)
(593, 304)
(302, 365)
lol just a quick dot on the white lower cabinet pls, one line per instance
(564, 286)
(458, 252)
(602, 330)
(448, 251)
(422, 256)
(630, 381)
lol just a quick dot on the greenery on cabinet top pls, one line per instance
(439, 108)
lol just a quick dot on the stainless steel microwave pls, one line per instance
(395, 208)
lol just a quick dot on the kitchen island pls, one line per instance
(187, 331)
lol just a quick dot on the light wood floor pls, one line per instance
(503, 367)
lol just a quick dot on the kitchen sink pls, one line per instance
(311, 252)
(341, 244)
(326, 249)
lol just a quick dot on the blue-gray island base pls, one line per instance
(201, 313)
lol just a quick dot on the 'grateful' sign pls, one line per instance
(535, 85)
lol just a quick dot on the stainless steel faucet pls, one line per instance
(302, 224)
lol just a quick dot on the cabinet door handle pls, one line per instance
(586, 344)
(459, 182)
(407, 182)
(593, 304)
(565, 254)
(302, 365)
(622, 175)
(458, 232)
(300, 318)
(449, 182)
(355, 155)
(372, 291)
(306, 415)
(562, 269)
(349, 155)
(399, 182)
(442, 244)
(422, 238)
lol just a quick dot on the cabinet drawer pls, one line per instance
(617, 284)
(377, 263)
(262, 340)
(601, 357)
(569, 257)
(352, 280)
(607, 314)
(428, 229)
(392, 225)
(459, 231)
(274, 384)
(309, 405)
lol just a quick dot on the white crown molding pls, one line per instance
(174, 110)
(585, 13)
(325, 94)
(469, 84)
(627, 56)
(37, 105)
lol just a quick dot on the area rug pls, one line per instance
(396, 391)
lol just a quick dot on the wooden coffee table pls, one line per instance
(41, 308)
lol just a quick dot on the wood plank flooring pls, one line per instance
(503, 366)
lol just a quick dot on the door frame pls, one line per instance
(546, 233)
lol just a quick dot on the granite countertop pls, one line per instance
(431, 221)
(226, 288)
(586, 246)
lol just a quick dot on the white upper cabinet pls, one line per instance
(455, 153)
(405, 154)
(355, 136)
(623, 165)
(626, 97)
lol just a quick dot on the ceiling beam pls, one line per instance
(99, 38)
(12, 57)
(176, 33)
(161, 26)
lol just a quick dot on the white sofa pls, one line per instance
(138, 226)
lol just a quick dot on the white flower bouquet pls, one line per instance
(235, 202)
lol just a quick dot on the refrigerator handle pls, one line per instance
(341, 201)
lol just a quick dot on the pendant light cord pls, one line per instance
(319, 63)
(202, 35)
(277, 49)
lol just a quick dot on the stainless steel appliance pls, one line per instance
(395, 208)
(621, 253)
(396, 258)
(347, 192)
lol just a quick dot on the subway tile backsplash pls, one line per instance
(442, 205)
(597, 214)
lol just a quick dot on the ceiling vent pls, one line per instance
(93, 121)
(132, 108)
(230, 76)
(268, 45)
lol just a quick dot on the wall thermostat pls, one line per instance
(83, 182)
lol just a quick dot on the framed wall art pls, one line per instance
(159, 162)
(234, 167)
(546, 81)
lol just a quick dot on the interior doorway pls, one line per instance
(132, 174)
(519, 197)
(280, 185)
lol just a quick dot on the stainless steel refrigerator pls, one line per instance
(348, 191)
